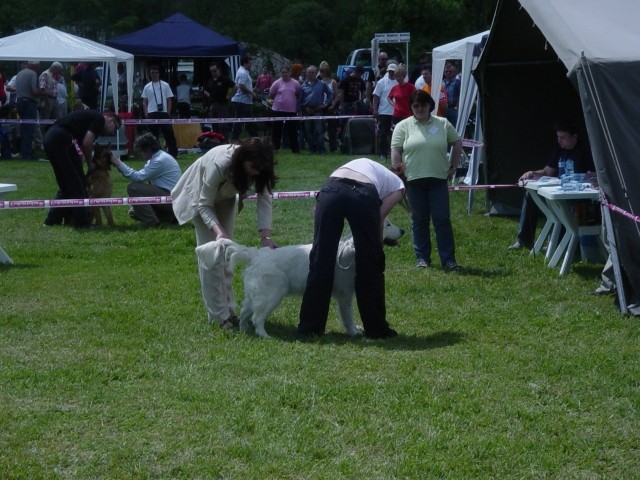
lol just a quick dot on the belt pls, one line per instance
(28, 98)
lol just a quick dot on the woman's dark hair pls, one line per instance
(422, 97)
(260, 153)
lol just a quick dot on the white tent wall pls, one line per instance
(459, 50)
(462, 50)
(47, 44)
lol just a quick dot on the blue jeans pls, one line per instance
(28, 110)
(359, 204)
(528, 222)
(429, 200)
(314, 133)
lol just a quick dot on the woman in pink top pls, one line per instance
(284, 94)
(399, 96)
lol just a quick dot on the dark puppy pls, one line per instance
(99, 184)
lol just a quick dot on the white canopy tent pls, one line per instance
(48, 44)
(462, 50)
(459, 50)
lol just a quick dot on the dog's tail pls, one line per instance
(224, 251)
(236, 254)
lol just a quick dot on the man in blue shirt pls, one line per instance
(156, 179)
(452, 85)
(315, 98)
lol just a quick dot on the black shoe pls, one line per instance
(307, 336)
(386, 333)
(452, 267)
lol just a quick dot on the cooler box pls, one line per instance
(187, 134)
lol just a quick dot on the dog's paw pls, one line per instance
(262, 333)
(244, 326)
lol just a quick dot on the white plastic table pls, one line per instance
(4, 188)
(559, 202)
(552, 225)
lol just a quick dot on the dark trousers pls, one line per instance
(359, 204)
(429, 201)
(220, 110)
(27, 110)
(184, 110)
(384, 134)
(291, 129)
(150, 215)
(67, 167)
(332, 133)
(167, 132)
(528, 221)
(242, 110)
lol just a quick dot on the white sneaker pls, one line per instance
(516, 246)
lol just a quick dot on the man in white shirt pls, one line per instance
(242, 99)
(383, 110)
(157, 99)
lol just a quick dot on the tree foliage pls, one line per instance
(311, 30)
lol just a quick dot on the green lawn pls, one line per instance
(108, 368)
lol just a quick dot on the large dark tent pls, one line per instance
(549, 59)
(176, 36)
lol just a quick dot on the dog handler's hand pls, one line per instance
(114, 159)
(268, 242)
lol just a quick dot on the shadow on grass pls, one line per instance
(130, 227)
(17, 266)
(588, 271)
(445, 338)
(467, 271)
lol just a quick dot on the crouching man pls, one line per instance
(157, 178)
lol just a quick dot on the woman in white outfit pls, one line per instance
(210, 194)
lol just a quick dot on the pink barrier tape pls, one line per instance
(114, 202)
(81, 202)
(460, 188)
(471, 143)
(198, 121)
(624, 213)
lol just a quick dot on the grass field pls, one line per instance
(108, 368)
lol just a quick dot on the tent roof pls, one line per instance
(599, 29)
(47, 43)
(458, 49)
(176, 36)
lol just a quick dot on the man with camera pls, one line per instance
(156, 103)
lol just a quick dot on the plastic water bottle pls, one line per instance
(561, 167)
(568, 168)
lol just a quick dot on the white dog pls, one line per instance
(273, 273)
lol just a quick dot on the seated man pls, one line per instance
(157, 178)
(569, 147)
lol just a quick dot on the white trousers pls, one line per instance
(216, 283)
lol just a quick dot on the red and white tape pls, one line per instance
(114, 202)
(197, 121)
